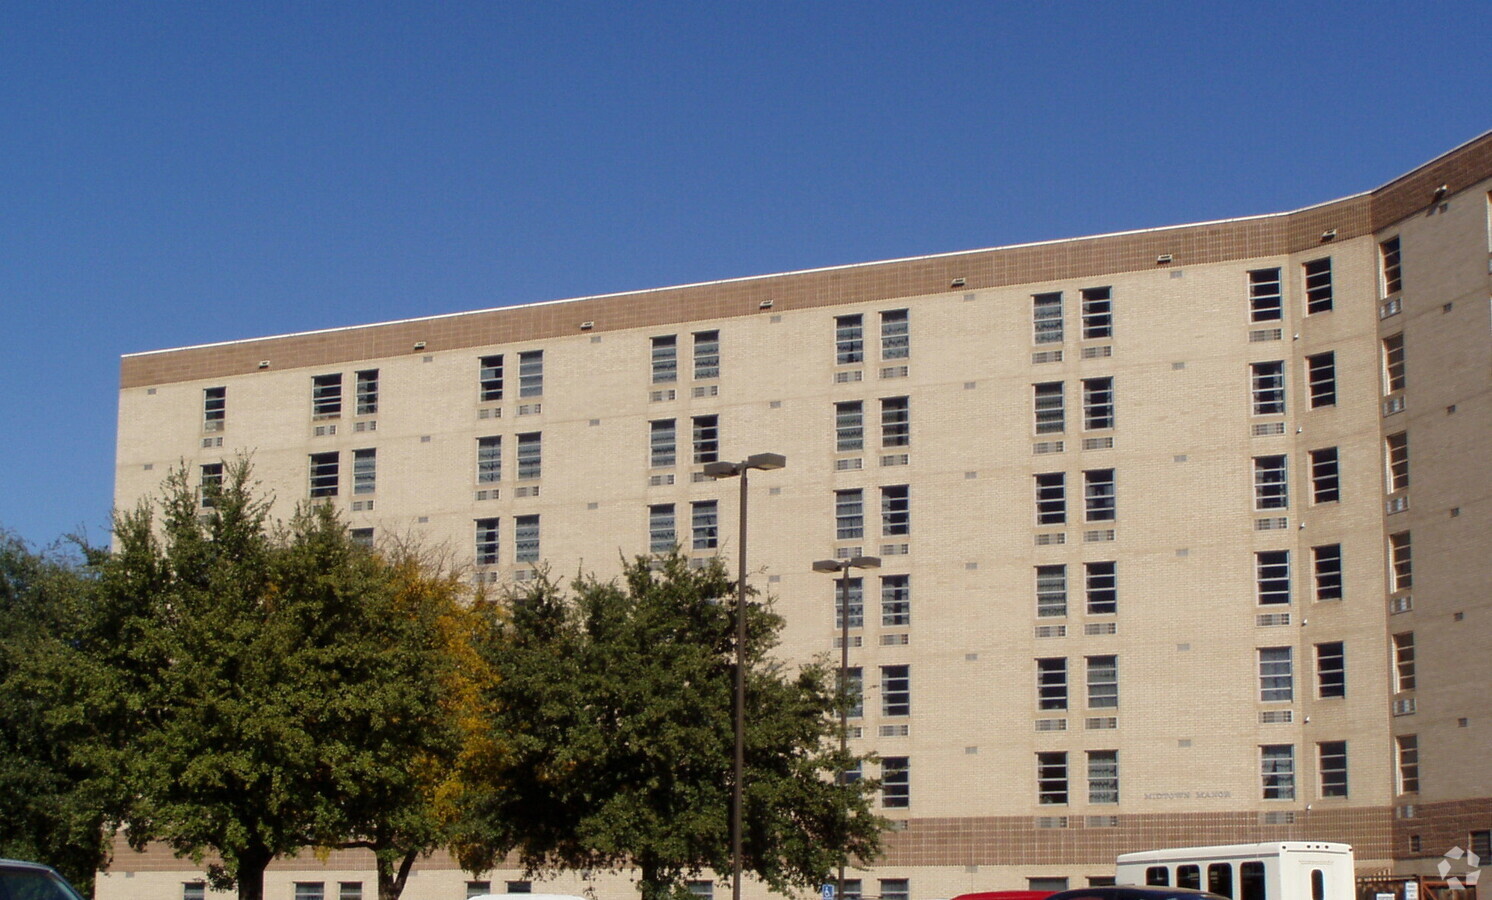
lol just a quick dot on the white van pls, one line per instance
(1274, 870)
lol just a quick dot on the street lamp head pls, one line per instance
(865, 562)
(827, 565)
(722, 470)
(765, 461)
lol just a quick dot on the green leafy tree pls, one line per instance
(612, 738)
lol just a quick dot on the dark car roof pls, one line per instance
(1135, 892)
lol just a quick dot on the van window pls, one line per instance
(1191, 877)
(1158, 875)
(1220, 879)
(1251, 881)
(1318, 885)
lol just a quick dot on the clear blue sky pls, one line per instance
(178, 173)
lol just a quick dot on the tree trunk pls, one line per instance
(252, 861)
(391, 883)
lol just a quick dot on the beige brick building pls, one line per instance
(1184, 532)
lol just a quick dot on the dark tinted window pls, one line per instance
(1318, 885)
(1157, 875)
(1189, 876)
(1251, 881)
(1220, 879)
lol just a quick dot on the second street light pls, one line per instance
(843, 567)
(763, 462)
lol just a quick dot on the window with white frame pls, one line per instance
(531, 373)
(1404, 676)
(1267, 380)
(896, 889)
(1393, 363)
(854, 691)
(530, 455)
(1407, 750)
(1099, 502)
(1393, 273)
(489, 459)
(1098, 403)
(849, 592)
(1272, 576)
(477, 888)
(1051, 498)
(896, 421)
(705, 524)
(706, 355)
(1051, 590)
(367, 392)
(849, 426)
(210, 483)
(1051, 683)
(849, 339)
(1102, 586)
(665, 359)
(1321, 374)
(1396, 460)
(1103, 682)
(896, 789)
(1332, 757)
(896, 690)
(350, 890)
(896, 510)
(194, 890)
(1103, 776)
(663, 450)
(1331, 670)
(1051, 778)
(1051, 415)
(1276, 675)
(324, 474)
(852, 889)
(326, 396)
(1098, 313)
(1318, 285)
(1046, 318)
(1271, 487)
(701, 890)
(662, 534)
(896, 601)
(706, 439)
(1326, 571)
(1277, 771)
(1326, 476)
(490, 378)
(310, 890)
(1265, 303)
(363, 537)
(895, 334)
(849, 515)
(214, 408)
(486, 542)
(364, 471)
(1400, 562)
(526, 539)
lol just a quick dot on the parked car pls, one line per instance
(33, 881)
(1135, 892)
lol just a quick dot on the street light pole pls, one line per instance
(764, 462)
(843, 567)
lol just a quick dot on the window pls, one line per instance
(1321, 370)
(1326, 568)
(706, 439)
(1051, 683)
(896, 600)
(662, 537)
(211, 482)
(1051, 591)
(530, 455)
(1388, 253)
(1404, 661)
(1251, 880)
(1264, 296)
(363, 537)
(662, 443)
(1396, 454)
(1189, 877)
(1318, 285)
(700, 890)
(851, 590)
(310, 890)
(1326, 480)
(1051, 498)
(1268, 380)
(326, 396)
(1098, 403)
(1048, 885)
(666, 359)
(849, 515)
(1277, 768)
(214, 410)
(1331, 670)
(1046, 318)
(852, 890)
(849, 340)
(706, 355)
(854, 689)
(1220, 879)
(896, 510)
(896, 690)
(1393, 363)
(1271, 489)
(895, 335)
(1333, 759)
(487, 542)
(194, 890)
(350, 890)
(1400, 562)
(1103, 776)
(1158, 875)
(896, 789)
(1051, 778)
(1098, 495)
(1480, 843)
(490, 378)
(1408, 763)
(367, 405)
(323, 475)
(1103, 682)
(1102, 586)
(526, 539)
(1051, 417)
(1272, 574)
(519, 887)
(531, 373)
(896, 422)
(1276, 675)
(705, 524)
(364, 471)
(1098, 313)
(849, 426)
(895, 889)
(489, 459)
(476, 888)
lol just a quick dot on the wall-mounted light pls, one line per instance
(957, 282)
(419, 345)
(765, 304)
(587, 326)
(1163, 259)
(264, 364)
(1328, 234)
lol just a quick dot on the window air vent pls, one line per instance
(1278, 817)
(1265, 334)
(659, 480)
(895, 459)
(1051, 724)
(894, 372)
(325, 430)
(1098, 443)
(698, 477)
(1046, 356)
(895, 549)
(1101, 723)
(895, 640)
(1273, 523)
(660, 396)
(848, 377)
(494, 413)
(1390, 308)
(1272, 620)
(530, 490)
(1276, 716)
(706, 390)
(1047, 540)
(1098, 536)
(848, 465)
(530, 409)
(1041, 447)
(1402, 604)
(1051, 821)
(1396, 504)
(1101, 628)
(370, 425)
(1103, 351)
(491, 494)
(855, 641)
(894, 730)
(1101, 821)
(1394, 404)
(1051, 631)
(1268, 429)
(848, 552)
(1404, 706)
(212, 442)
